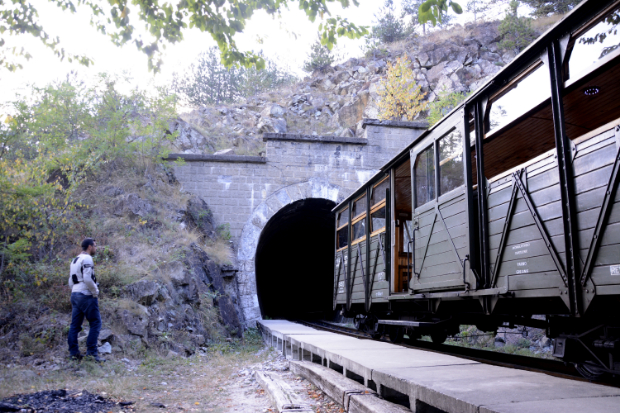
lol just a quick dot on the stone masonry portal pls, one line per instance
(246, 191)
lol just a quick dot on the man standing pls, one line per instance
(84, 301)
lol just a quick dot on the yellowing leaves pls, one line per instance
(399, 94)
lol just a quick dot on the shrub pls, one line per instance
(516, 31)
(445, 102)
(400, 97)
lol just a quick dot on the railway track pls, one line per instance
(552, 367)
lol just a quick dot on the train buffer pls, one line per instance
(426, 381)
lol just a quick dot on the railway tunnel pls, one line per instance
(294, 261)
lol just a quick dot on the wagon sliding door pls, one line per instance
(440, 217)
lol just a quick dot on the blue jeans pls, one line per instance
(84, 306)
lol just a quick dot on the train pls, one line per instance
(504, 213)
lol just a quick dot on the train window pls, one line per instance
(359, 229)
(343, 239)
(378, 192)
(342, 232)
(450, 162)
(523, 95)
(425, 177)
(343, 217)
(359, 207)
(600, 41)
(377, 219)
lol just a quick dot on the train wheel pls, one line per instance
(396, 334)
(439, 336)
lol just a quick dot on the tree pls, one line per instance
(412, 8)
(516, 31)
(389, 27)
(209, 82)
(435, 10)
(165, 23)
(50, 144)
(546, 8)
(398, 93)
(319, 57)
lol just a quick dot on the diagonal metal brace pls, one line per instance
(541, 228)
(603, 217)
(364, 279)
(504, 238)
(428, 242)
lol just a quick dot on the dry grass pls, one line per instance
(201, 383)
(219, 251)
(541, 24)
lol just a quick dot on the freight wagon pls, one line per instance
(506, 209)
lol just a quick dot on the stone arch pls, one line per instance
(248, 242)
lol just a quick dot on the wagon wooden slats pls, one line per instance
(603, 217)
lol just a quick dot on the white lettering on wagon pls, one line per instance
(519, 246)
(523, 271)
(522, 264)
(340, 287)
(379, 294)
(381, 276)
(614, 270)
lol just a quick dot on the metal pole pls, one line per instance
(565, 172)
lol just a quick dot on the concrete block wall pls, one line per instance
(247, 191)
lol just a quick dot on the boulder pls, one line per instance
(135, 321)
(106, 348)
(199, 216)
(273, 110)
(143, 291)
(279, 125)
(138, 206)
(353, 112)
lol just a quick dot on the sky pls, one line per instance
(286, 40)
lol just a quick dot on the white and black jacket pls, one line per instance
(82, 277)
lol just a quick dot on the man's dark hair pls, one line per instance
(86, 243)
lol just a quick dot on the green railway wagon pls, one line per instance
(506, 209)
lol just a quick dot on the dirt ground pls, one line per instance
(207, 382)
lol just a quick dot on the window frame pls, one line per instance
(414, 177)
(438, 162)
(572, 38)
(341, 227)
(358, 218)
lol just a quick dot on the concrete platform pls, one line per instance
(432, 382)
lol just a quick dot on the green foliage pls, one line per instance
(389, 27)
(433, 11)
(516, 31)
(209, 82)
(165, 22)
(445, 102)
(223, 231)
(320, 56)
(49, 145)
(547, 8)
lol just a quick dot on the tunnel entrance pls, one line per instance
(294, 261)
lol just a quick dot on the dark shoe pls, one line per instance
(96, 358)
(77, 357)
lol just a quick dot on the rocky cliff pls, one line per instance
(334, 100)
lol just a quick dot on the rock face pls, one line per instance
(200, 216)
(333, 100)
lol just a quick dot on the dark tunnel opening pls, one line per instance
(294, 261)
